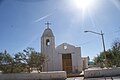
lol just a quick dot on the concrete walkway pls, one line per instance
(75, 78)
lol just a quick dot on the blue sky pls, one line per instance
(22, 23)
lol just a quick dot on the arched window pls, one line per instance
(47, 42)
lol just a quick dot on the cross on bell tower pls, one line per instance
(47, 24)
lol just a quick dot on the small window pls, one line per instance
(65, 47)
(47, 42)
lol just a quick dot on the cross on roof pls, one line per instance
(47, 24)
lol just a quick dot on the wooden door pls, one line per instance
(67, 62)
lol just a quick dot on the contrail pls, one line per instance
(116, 3)
(43, 17)
(30, 0)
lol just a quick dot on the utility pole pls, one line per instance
(103, 43)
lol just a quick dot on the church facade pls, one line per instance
(64, 57)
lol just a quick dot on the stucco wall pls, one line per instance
(35, 76)
(49, 52)
(101, 72)
(85, 62)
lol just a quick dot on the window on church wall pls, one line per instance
(65, 47)
(47, 42)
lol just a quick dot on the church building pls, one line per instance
(64, 57)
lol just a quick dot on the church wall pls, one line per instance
(43, 45)
(58, 62)
(77, 61)
(49, 51)
(78, 51)
(74, 62)
(60, 50)
(76, 56)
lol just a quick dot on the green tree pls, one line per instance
(35, 59)
(116, 53)
(99, 60)
(6, 62)
(112, 56)
(23, 61)
(20, 62)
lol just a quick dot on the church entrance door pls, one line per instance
(67, 62)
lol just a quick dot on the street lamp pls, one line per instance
(102, 36)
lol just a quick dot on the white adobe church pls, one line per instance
(64, 57)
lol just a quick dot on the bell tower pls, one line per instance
(48, 48)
